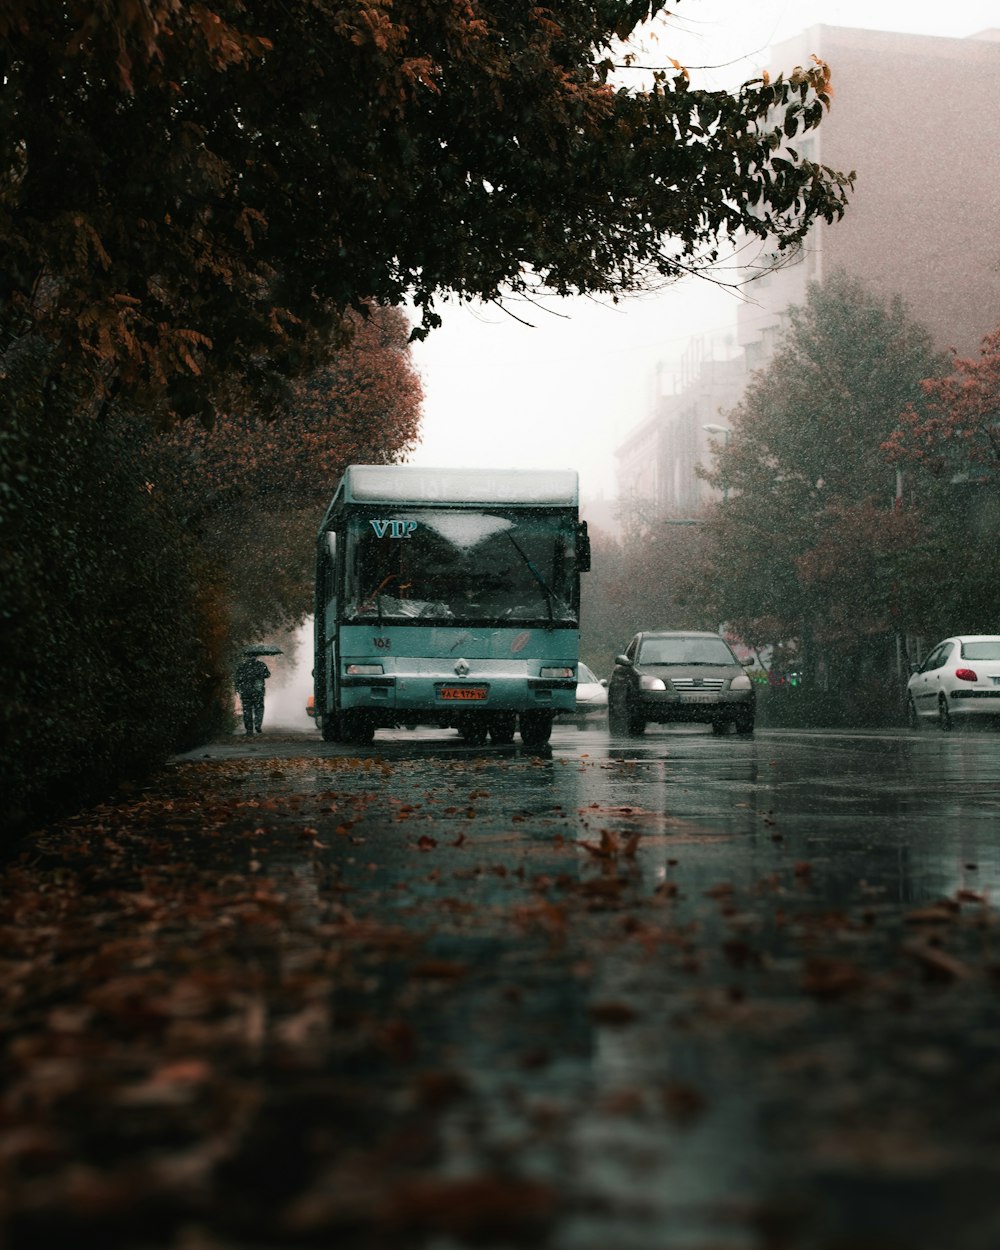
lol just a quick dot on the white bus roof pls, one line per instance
(406, 483)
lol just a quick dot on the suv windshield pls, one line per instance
(461, 565)
(685, 651)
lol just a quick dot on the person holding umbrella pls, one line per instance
(249, 681)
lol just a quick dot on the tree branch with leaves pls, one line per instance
(194, 195)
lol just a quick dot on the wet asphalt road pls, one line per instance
(697, 992)
(914, 815)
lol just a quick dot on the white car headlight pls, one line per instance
(742, 682)
(651, 683)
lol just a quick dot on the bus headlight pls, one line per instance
(363, 670)
(553, 670)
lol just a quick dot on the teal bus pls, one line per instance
(448, 597)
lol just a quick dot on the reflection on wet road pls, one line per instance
(698, 992)
(908, 812)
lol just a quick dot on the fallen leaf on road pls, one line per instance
(830, 978)
(612, 1013)
(939, 913)
(473, 1207)
(936, 964)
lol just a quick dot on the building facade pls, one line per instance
(916, 118)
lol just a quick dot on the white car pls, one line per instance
(959, 680)
(591, 698)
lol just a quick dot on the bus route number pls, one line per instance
(382, 644)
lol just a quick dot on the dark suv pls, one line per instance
(674, 675)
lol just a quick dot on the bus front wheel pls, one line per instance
(536, 728)
(331, 727)
(357, 728)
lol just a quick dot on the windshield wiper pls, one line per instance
(549, 594)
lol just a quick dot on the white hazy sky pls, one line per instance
(564, 391)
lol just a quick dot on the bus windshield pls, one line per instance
(449, 565)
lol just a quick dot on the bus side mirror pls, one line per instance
(582, 548)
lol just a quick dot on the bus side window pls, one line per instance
(330, 584)
(331, 602)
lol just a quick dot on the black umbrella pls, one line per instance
(261, 648)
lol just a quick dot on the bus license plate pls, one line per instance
(463, 694)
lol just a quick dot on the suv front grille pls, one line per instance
(700, 683)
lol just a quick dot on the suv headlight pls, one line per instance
(652, 683)
(742, 682)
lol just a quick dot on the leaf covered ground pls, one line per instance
(441, 1002)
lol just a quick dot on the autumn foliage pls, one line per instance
(255, 489)
(954, 427)
(946, 448)
(191, 196)
(363, 404)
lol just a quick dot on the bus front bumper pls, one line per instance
(442, 696)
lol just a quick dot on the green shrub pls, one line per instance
(111, 647)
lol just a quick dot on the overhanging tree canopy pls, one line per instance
(191, 194)
(253, 490)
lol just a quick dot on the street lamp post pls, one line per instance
(724, 431)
